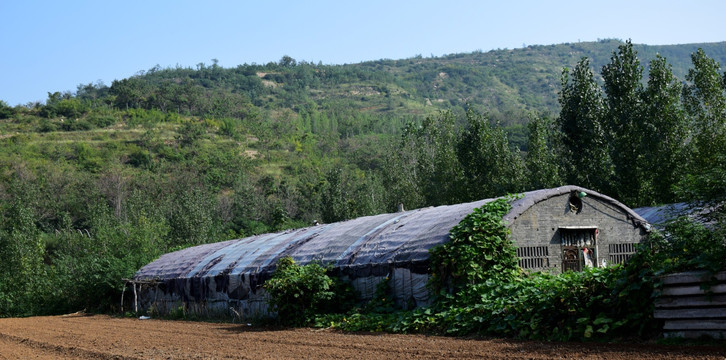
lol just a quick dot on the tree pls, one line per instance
(130, 93)
(543, 169)
(92, 93)
(705, 103)
(489, 166)
(287, 61)
(585, 150)
(431, 149)
(191, 218)
(23, 280)
(248, 206)
(349, 194)
(623, 112)
(441, 180)
(5, 110)
(400, 175)
(665, 131)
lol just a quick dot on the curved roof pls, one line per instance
(531, 198)
(397, 238)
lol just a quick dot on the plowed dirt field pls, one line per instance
(103, 337)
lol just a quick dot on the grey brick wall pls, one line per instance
(541, 225)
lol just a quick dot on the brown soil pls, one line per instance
(104, 337)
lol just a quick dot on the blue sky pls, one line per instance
(55, 45)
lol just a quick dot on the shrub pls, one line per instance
(139, 158)
(70, 108)
(297, 292)
(191, 132)
(45, 125)
(72, 124)
(101, 121)
(690, 246)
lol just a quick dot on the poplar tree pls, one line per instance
(623, 117)
(541, 159)
(490, 167)
(584, 146)
(425, 170)
(705, 101)
(665, 131)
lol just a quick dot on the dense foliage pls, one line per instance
(479, 249)
(298, 293)
(96, 183)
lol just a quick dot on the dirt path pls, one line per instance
(103, 337)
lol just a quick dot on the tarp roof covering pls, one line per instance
(397, 238)
(700, 212)
(659, 215)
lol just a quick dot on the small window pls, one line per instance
(533, 257)
(620, 253)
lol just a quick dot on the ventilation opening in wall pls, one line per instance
(574, 203)
(620, 253)
(533, 257)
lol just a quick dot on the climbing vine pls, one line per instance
(479, 250)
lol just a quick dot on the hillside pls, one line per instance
(289, 123)
(504, 83)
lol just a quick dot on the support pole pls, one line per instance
(136, 301)
(126, 283)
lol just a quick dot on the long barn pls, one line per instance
(559, 229)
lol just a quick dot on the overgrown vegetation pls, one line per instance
(298, 293)
(481, 290)
(479, 250)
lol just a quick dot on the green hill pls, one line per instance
(504, 83)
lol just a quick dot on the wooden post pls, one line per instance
(126, 283)
(136, 301)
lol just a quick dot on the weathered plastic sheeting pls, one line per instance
(400, 238)
(182, 261)
(366, 286)
(659, 215)
(159, 302)
(409, 290)
(365, 251)
(412, 290)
